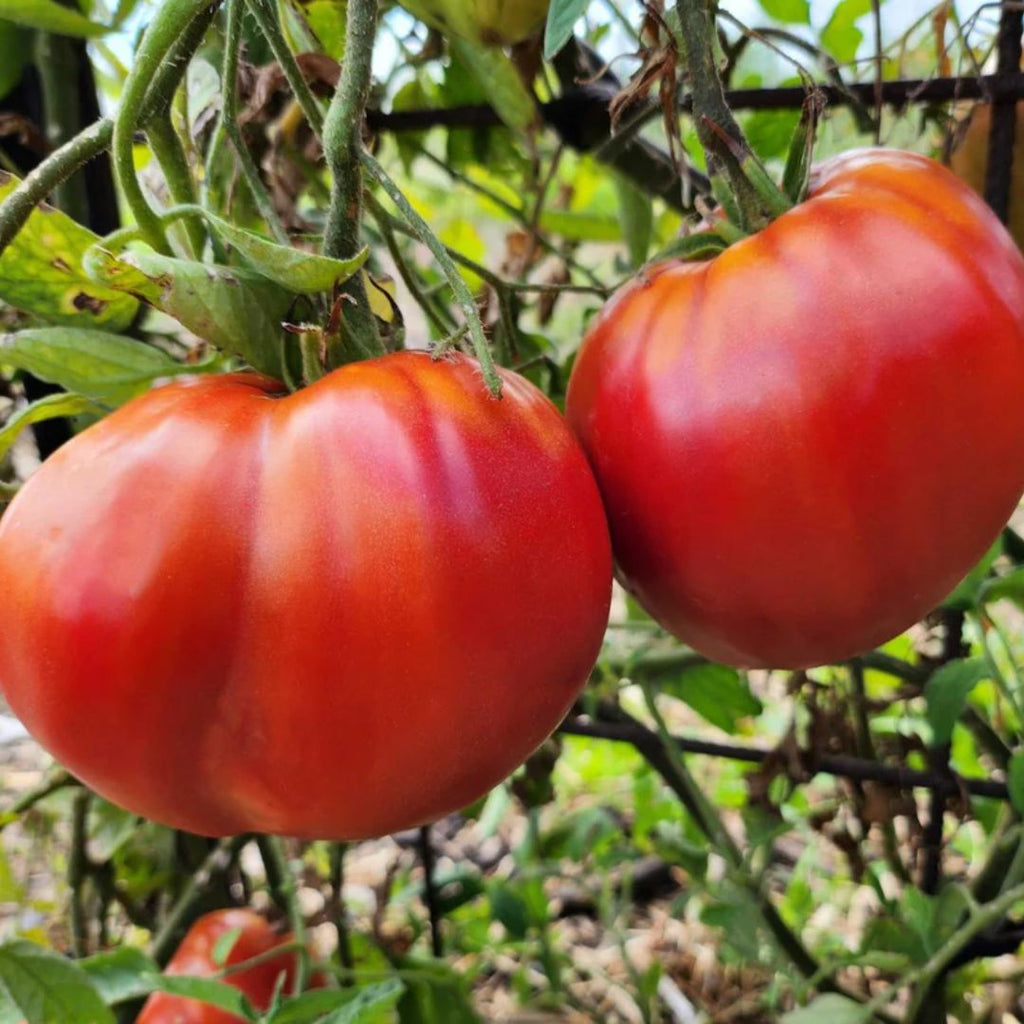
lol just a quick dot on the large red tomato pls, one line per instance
(196, 957)
(804, 444)
(330, 614)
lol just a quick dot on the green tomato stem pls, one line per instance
(168, 26)
(459, 287)
(342, 146)
(728, 153)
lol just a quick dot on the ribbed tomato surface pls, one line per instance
(330, 614)
(805, 443)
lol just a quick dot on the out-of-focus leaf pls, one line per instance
(946, 693)
(15, 50)
(500, 81)
(434, 994)
(206, 990)
(562, 18)
(45, 988)
(1015, 780)
(51, 407)
(121, 974)
(1007, 588)
(109, 368)
(50, 16)
(797, 12)
(41, 272)
(327, 20)
(841, 37)
(828, 1009)
(716, 692)
(973, 585)
(636, 217)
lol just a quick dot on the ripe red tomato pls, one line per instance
(332, 614)
(195, 958)
(805, 443)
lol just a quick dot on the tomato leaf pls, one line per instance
(327, 20)
(841, 37)
(716, 692)
(50, 16)
(946, 694)
(41, 272)
(975, 586)
(500, 81)
(797, 12)
(636, 217)
(206, 990)
(828, 1009)
(562, 18)
(15, 51)
(106, 367)
(51, 407)
(304, 273)
(121, 974)
(434, 994)
(373, 1004)
(237, 310)
(1006, 588)
(43, 987)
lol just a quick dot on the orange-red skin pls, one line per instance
(333, 614)
(195, 958)
(805, 443)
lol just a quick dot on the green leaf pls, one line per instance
(509, 908)
(41, 272)
(121, 974)
(946, 693)
(51, 407)
(371, 1005)
(717, 693)
(797, 12)
(49, 16)
(636, 217)
(237, 310)
(45, 988)
(304, 273)
(1015, 780)
(223, 946)
(1006, 588)
(15, 51)
(434, 994)
(828, 1009)
(106, 367)
(841, 37)
(562, 18)
(327, 20)
(206, 990)
(500, 81)
(973, 586)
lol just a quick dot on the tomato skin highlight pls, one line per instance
(195, 958)
(804, 444)
(333, 614)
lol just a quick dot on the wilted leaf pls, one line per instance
(41, 272)
(237, 310)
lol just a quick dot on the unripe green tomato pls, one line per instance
(488, 22)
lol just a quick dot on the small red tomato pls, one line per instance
(805, 443)
(333, 614)
(195, 958)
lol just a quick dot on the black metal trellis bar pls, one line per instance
(858, 769)
(1005, 87)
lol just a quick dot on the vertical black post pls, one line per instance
(430, 891)
(1004, 116)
